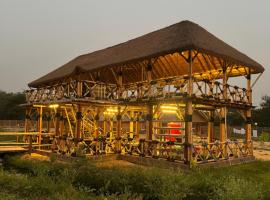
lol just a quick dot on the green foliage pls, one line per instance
(9, 106)
(264, 137)
(261, 115)
(234, 118)
(84, 180)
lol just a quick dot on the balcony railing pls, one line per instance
(177, 87)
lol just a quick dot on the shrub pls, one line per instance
(264, 137)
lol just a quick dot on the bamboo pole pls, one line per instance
(119, 124)
(248, 112)
(149, 122)
(40, 125)
(138, 127)
(188, 113)
(223, 113)
(57, 121)
(79, 121)
(210, 128)
(131, 124)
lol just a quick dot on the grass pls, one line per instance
(83, 180)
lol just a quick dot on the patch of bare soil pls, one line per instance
(261, 150)
(35, 156)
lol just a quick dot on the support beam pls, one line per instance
(138, 126)
(62, 123)
(57, 122)
(26, 123)
(248, 112)
(149, 122)
(96, 130)
(131, 124)
(223, 113)
(40, 125)
(188, 113)
(27, 120)
(118, 128)
(120, 84)
(49, 121)
(78, 121)
(210, 128)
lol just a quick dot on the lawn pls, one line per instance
(81, 179)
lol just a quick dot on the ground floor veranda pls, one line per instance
(163, 131)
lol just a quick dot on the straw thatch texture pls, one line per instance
(179, 37)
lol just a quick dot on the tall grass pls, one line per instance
(84, 180)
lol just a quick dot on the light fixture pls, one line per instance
(168, 107)
(169, 111)
(53, 106)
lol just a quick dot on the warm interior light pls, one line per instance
(53, 106)
(110, 111)
(169, 111)
(168, 107)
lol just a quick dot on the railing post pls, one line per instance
(79, 88)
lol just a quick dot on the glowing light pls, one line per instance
(111, 111)
(168, 107)
(53, 106)
(169, 111)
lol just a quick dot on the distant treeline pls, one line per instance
(10, 108)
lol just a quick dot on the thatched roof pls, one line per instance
(179, 37)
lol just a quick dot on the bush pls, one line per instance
(264, 137)
(84, 180)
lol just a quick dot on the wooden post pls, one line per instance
(79, 121)
(79, 88)
(26, 123)
(149, 123)
(30, 144)
(62, 123)
(111, 129)
(27, 119)
(57, 122)
(131, 124)
(138, 127)
(210, 128)
(248, 113)
(223, 113)
(49, 122)
(118, 136)
(40, 125)
(188, 113)
(104, 125)
(96, 119)
(120, 84)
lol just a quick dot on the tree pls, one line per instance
(10, 108)
(262, 114)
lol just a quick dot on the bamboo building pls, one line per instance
(143, 99)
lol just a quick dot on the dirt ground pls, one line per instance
(261, 150)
